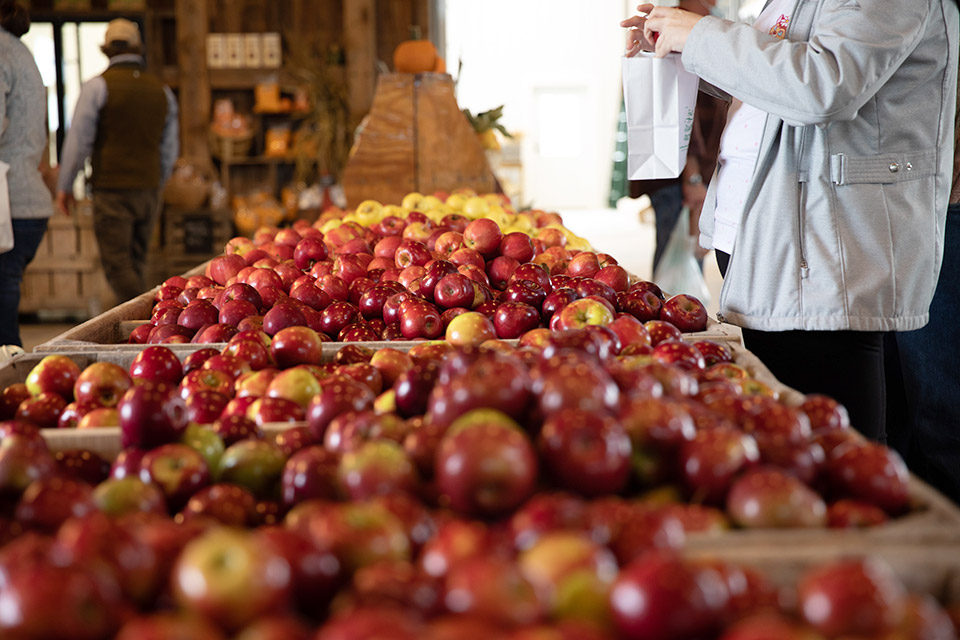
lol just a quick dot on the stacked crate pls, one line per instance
(66, 275)
(192, 236)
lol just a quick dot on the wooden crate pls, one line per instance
(65, 274)
(933, 518)
(930, 568)
(104, 329)
(191, 236)
(414, 138)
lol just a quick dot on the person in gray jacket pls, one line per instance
(23, 137)
(833, 181)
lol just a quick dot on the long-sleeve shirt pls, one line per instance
(23, 129)
(83, 129)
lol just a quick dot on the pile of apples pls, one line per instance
(392, 273)
(541, 490)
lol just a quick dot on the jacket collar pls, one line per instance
(127, 59)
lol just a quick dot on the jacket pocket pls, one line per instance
(888, 168)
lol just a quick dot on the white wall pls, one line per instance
(556, 67)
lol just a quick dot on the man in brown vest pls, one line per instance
(126, 122)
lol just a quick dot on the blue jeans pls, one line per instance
(925, 425)
(27, 235)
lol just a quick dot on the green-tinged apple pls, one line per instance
(254, 464)
(177, 469)
(214, 574)
(205, 441)
(572, 575)
(583, 312)
(298, 385)
(121, 496)
(377, 467)
(470, 329)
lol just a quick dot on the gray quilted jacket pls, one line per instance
(843, 227)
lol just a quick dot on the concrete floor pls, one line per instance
(625, 233)
(36, 333)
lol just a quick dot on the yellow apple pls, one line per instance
(475, 207)
(412, 201)
(456, 201)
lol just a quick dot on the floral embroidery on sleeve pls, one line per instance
(779, 30)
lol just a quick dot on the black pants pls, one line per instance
(845, 365)
(923, 393)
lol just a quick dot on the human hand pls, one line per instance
(65, 202)
(694, 196)
(636, 42)
(668, 28)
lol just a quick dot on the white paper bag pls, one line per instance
(660, 97)
(6, 224)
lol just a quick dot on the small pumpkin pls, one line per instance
(415, 55)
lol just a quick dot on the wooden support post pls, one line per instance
(194, 80)
(360, 40)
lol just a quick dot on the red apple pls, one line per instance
(421, 320)
(296, 345)
(825, 413)
(685, 312)
(769, 498)
(223, 268)
(43, 410)
(851, 598)
(712, 459)
(454, 290)
(47, 503)
(308, 252)
(872, 473)
(849, 514)
(493, 589)
(157, 364)
(517, 245)
(227, 504)
(483, 236)
(266, 410)
(54, 374)
(473, 482)
(151, 414)
(376, 467)
(660, 597)
(585, 452)
(615, 276)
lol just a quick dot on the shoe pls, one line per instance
(9, 352)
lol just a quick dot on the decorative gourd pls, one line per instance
(415, 55)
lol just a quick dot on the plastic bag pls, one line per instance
(678, 270)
